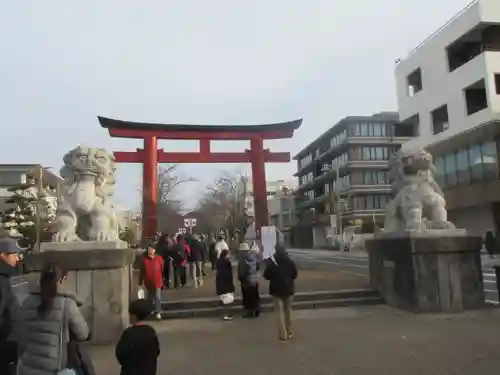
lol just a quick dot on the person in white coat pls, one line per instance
(221, 245)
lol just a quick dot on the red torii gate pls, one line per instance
(150, 156)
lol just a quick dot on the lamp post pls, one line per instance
(38, 211)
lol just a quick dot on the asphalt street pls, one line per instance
(357, 264)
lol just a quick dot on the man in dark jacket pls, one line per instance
(179, 254)
(248, 275)
(12, 325)
(281, 273)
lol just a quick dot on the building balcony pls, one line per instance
(377, 189)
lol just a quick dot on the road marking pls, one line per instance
(335, 263)
(19, 284)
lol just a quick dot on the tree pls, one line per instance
(169, 205)
(20, 220)
(223, 206)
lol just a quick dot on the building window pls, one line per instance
(475, 97)
(489, 160)
(475, 162)
(463, 169)
(370, 202)
(472, 164)
(497, 84)
(374, 178)
(375, 153)
(440, 122)
(11, 178)
(369, 130)
(450, 165)
(440, 171)
(414, 81)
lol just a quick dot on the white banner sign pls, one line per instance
(268, 238)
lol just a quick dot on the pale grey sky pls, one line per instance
(63, 63)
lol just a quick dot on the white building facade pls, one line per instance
(448, 88)
(451, 82)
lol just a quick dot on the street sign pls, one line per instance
(189, 223)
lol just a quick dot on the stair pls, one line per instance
(208, 307)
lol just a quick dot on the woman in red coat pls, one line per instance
(151, 277)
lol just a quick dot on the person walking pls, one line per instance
(282, 273)
(179, 255)
(194, 261)
(212, 253)
(204, 254)
(162, 249)
(151, 278)
(12, 325)
(138, 349)
(248, 275)
(55, 327)
(224, 284)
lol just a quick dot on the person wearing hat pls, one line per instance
(248, 275)
(12, 325)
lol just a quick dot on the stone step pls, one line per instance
(268, 306)
(204, 303)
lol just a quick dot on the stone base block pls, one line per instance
(84, 245)
(101, 279)
(423, 273)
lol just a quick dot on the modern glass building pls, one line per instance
(343, 175)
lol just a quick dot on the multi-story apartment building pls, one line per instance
(344, 170)
(448, 89)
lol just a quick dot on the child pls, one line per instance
(138, 349)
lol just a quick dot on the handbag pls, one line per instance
(227, 298)
(140, 293)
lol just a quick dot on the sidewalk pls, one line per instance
(350, 341)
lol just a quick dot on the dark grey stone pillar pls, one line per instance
(427, 273)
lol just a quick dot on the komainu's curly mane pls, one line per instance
(86, 161)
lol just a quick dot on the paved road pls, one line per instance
(357, 264)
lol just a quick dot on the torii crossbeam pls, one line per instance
(150, 156)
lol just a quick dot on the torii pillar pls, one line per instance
(150, 156)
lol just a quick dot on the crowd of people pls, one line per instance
(44, 335)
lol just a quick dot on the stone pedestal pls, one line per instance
(427, 273)
(100, 276)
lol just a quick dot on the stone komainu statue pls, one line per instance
(86, 211)
(418, 202)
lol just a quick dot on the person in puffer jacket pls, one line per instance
(248, 275)
(53, 318)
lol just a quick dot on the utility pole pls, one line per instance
(39, 208)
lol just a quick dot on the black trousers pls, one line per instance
(179, 276)
(166, 273)
(251, 297)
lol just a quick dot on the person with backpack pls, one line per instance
(282, 273)
(248, 275)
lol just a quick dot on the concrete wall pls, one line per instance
(443, 87)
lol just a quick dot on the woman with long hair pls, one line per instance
(54, 322)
